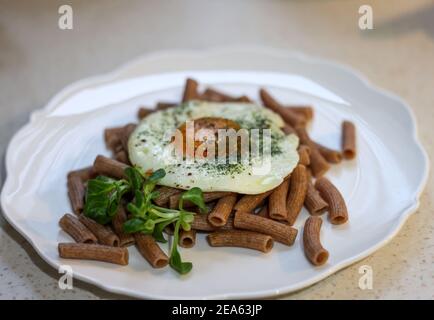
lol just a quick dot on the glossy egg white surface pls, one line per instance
(149, 148)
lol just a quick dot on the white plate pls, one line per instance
(381, 187)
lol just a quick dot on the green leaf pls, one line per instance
(133, 225)
(135, 178)
(103, 196)
(156, 176)
(152, 180)
(194, 195)
(158, 231)
(177, 264)
(175, 258)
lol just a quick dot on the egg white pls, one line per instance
(148, 149)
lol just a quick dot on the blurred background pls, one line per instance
(37, 59)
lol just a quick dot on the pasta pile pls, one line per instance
(236, 220)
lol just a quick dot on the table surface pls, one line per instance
(37, 59)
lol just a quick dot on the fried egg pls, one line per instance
(150, 148)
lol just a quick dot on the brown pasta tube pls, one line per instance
(190, 90)
(318, 164)
(187, 239)
(125, 135)
(297, 193)
(277, 202)
(165, 105)
(313, 249)
(150, 250)
(84, 174)
(330, 155)
(93, 252)
(122, 156)
(243, 239)
(125, 239)
(144, 112)
(201, 223)
(338, 212)
(76, 192)
(164, 193)
(78, 231)
(305, 111)
(313, 202)
(217, 96)
(220, 214)
(280, 232)
(109, 167)
(288, 115)
(349, 140)
(249, 202)
(288, 129)
(304, 155)
(112, 138)
(207, 196)
(264, 211)
(104, 234)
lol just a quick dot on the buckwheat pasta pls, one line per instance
(84, 174)
(201, 223)
(288, 115)
(220, 214)
(217, 96)
(112, 138)
(313, 249)
(338, 212)
(109, 167)
(318, 163)
(150, 250)
(207, 196)
(304, 155)
(104, 234)
(305, 111)
(278, 231)
(249, 202)
(144, 112)
(78, 231)
(164, 193)
(288, 129)
(122, 156)
(165, 105)
(187, 239)
(297, 193)
(348, 140)
(330, 155)
(125, 239)
(76, 192)
(125, 135)
(97, 252)
(277, 202)
(264, 211)
(313, 202)
(243, 239)
(190, 90)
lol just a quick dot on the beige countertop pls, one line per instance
(37, 59)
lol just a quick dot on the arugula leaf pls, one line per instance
(194, 195)
(103, 196)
